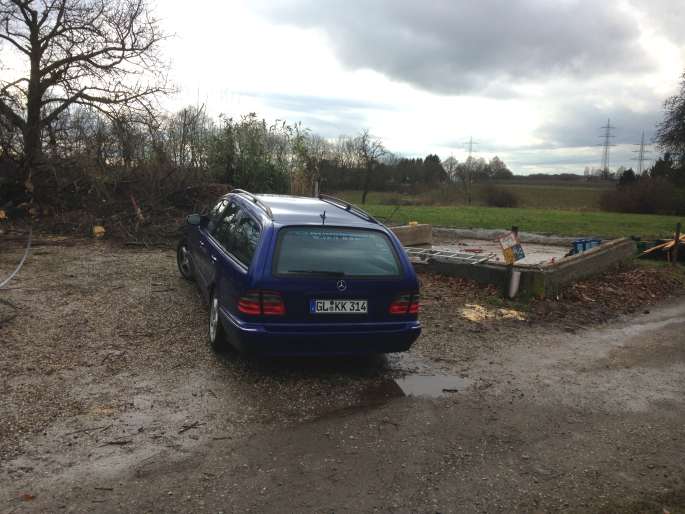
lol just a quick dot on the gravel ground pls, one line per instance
(112, 400)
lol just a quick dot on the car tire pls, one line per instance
(215, 330)
(184, 262)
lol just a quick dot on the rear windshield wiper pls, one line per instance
(317, 272)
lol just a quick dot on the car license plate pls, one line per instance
(338, 306)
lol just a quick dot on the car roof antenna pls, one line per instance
(323, 218)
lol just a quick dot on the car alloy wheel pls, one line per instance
(184, 261)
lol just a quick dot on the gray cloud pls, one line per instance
(667, 17)
(327, 116)
(303, 103)
(571, 139)
(579, 125)
(462, 46)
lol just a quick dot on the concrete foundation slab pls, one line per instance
(544, 272)
(536, 254)
(550, 279)
(493, 235)
(414, 235)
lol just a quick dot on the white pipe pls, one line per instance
(21, 263)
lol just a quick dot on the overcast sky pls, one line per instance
(531, 80)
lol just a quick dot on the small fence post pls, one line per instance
(674, 253)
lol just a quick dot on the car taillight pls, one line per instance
(272, 303)
(268, 303)
(415, 304)
(250, 303)
(405, 304)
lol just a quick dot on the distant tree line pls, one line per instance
(247, 152)
(566, 177)
(393, 173)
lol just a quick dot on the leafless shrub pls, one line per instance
(499, 197)
(646, 196)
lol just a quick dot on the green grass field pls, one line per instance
(543, 221)
(555, 197)
(560, 195)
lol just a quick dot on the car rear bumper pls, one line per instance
(320, 339)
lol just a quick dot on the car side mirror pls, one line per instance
(196, 219)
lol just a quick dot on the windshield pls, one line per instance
(335, 252)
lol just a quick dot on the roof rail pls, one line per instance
(255, 200)
(348, 207)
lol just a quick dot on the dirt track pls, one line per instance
(112, 401)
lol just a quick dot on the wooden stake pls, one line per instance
(676, 243)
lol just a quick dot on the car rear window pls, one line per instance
(335, 251)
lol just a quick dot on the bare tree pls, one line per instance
(344, 152)
(102, 54)
(188, 137)
(451, 168)
(466, 172)
(310, 151)
(369, 151)
(670, 133)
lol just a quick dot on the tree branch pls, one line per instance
(21, 48)
(9, 113)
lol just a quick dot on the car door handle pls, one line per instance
(213, 257)
(202, 243)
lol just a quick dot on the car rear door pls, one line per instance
(234, 244)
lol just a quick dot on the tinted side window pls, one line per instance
(225, 226)
(246, 239)
(216, 212)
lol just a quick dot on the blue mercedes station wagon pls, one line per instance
(287, 275)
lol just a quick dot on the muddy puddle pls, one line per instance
(431, 386)
(306, 389)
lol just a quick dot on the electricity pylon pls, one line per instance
(641, 154)
(606, 148)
